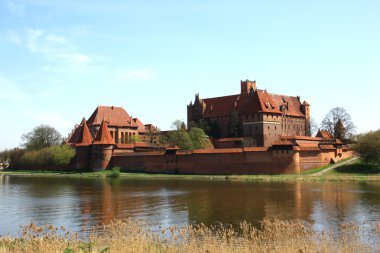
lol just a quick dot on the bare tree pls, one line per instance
(41, 137)
(313, 127)
(338, 115)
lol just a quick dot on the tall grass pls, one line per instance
(135, 236)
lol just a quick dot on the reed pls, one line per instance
(135, 236)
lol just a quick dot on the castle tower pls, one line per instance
(82, 140)
(305, 109)
(195, 111)
(247, 86)
(102, 148)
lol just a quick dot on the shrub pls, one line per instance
(55, 157)
(115, 172)
(369, 147)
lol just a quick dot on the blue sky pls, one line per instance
(61, 59)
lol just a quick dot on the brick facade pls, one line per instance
(262, 116)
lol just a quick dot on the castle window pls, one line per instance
(275, 128)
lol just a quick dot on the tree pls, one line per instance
(339, 130)
(181, 139)
(233, 126)
(5, 158)
(40, 137)
(199, 139)
(178, 124)
(313, 127)
(330, 122)
(369, 147)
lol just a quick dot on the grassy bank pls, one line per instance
(135, 236)
(356, 171)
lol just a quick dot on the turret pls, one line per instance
(102, 148)
(247, 86)
(82, 140)
(305, 109)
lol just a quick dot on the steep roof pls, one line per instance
(103, 136)
(85, 138)
(115, 116)
(258, 101)
(140, 126)
(81, 136)
(325, 135)
(221, 106)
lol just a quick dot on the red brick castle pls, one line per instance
(262, 116)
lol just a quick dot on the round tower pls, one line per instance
(102, 149)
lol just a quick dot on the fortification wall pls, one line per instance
(209, 162)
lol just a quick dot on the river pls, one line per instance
(77, 202)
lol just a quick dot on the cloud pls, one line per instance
(15, 8)
(10, 91)
(136, 75)
(62, 55)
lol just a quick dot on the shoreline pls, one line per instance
(327, 173)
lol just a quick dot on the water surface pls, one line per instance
(76, 202)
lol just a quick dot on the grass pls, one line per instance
(135, 236)
(358, 168)
(357, 171)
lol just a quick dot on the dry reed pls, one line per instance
(135, 236)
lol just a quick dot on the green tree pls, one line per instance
(233, 126)
(199, 139)
(181, 139)
(369, 147)
(40, 137)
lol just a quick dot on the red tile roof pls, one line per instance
(115, 116)
(85, 139)
(325, 135)
(82, 136)
(103, 136)
(259, 101)
(140, 126)
(305, 138)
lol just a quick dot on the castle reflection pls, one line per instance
(85, 202)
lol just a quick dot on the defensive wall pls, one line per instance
(227, 161)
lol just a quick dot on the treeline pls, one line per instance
(43, 149)
(368, 147)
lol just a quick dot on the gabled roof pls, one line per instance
(103, 136)
(115, 116)
(81, 136)
(325, 135)
(258, 101)
(221, 106)
(140, 125)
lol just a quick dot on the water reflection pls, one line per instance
(85, 202)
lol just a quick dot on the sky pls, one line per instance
(60, 59)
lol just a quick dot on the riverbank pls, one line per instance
(135, 236)
(347, 170)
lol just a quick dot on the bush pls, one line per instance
(115, 172)
(55, 157)
(369, 147)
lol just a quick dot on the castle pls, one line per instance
(262, 116)
(279, 125)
